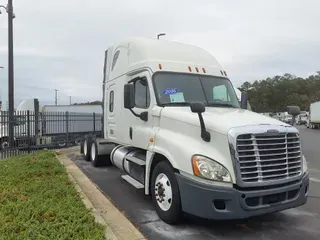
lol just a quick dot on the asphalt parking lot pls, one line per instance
(299, 223)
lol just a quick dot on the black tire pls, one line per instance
(96, 159)
(81, 147)
(77, 141)
(4, 143)
(87, 147)
(62, 143)
(174, 214)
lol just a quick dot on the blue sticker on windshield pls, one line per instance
(170, 91)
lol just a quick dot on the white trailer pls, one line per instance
(314, 115)
(50, 124)
(192, 150)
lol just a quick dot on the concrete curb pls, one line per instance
(118, 226)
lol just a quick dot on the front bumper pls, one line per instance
(223, 203)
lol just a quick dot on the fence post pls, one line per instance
(36, 117)
(67, 128)
(28, 131)
(94, 122)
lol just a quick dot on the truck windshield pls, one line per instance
(179, 89)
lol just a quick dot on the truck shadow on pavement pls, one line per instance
(289, 224)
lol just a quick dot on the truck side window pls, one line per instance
(220, 93)
(111, 100)
(115, 58)
(142, 94)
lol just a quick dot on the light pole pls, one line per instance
(160, 34)
(56, 97)
(11, 16)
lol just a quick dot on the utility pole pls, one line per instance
(70, 99)
(11, 16)
(56, 97)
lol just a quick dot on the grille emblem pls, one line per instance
(272, 131)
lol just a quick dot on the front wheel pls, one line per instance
(165, 194)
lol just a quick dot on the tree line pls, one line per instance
(276, 93)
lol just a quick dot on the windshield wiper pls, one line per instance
(221, 105)
(175, 104)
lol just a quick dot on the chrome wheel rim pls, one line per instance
(163, 192)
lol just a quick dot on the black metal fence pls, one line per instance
(47, 130)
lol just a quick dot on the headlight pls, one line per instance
(304, 164)
(209, 169)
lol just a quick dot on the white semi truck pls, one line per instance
(191, 150)
(313, 120)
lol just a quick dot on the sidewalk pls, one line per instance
(118, 226)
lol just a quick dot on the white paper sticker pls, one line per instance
(177, 97)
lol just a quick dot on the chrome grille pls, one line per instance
(266, 157)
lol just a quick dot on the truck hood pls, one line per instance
(219, 119)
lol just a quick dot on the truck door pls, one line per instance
(139, 131)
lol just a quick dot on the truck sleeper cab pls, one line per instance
(174, 125)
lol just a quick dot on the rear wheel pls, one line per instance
(62, 143)
(165, 193)
(96, 159)
(87, 147)
(78, 141)
(81, 147)
(4, 143)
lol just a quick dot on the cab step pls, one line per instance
(132, 181)
(136, 160)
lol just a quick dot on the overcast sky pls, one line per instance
(60, 44)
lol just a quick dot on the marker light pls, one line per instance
(189, 68)
(197, 69)
(204, 70)
(160, 66)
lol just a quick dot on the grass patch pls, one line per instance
(37, 201)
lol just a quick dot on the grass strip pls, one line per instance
(38, 201)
